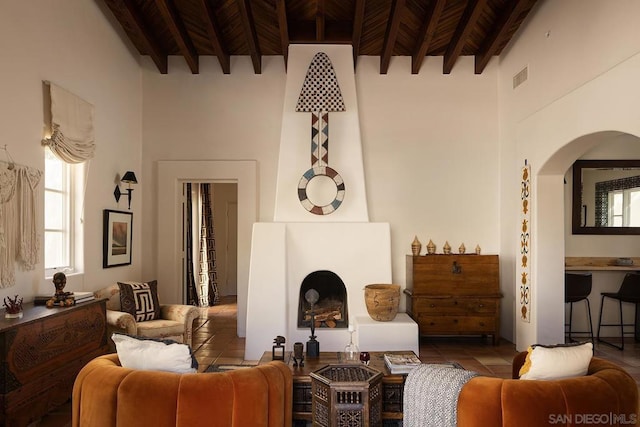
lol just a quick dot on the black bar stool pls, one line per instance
(577, 287)
(629, 292)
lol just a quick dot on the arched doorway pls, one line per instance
(551, 222)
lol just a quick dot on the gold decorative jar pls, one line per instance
(416, 246)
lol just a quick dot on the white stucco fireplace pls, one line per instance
(298, 242)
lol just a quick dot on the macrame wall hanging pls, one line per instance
(320, 95)
(19, 239)
(524, 260)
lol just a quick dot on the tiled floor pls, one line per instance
(215, 341)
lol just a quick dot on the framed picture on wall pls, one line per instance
(116, 238)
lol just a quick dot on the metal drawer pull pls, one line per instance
(456, 269)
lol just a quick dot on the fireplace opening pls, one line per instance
(331, 309)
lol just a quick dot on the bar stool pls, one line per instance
(629, 292)
(577, 287)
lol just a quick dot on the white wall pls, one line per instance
(71, 43)
(583, 63)
(210, 116)
(441, 152)
(430, 143)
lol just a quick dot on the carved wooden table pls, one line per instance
(41, 354)
(392, 385)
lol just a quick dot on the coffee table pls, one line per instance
(392, 384)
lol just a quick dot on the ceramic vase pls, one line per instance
(431, 247)
(416, 246)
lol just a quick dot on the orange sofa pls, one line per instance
(106, 394)
(607, 395)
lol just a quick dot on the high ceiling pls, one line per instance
(384, 28)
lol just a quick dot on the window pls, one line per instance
(61, 215)
(624, 208)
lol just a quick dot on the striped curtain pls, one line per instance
(190, 283)
(208, 276)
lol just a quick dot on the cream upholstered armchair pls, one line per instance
(172, 321)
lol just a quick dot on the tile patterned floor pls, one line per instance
(215, 341)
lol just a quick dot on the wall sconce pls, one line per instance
(130, 178)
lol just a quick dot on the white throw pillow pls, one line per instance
(556, 362)
(153, 355)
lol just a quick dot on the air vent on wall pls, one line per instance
(521, 77)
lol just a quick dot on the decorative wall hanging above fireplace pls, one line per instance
(320, 95)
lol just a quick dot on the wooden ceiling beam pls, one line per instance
(358, 22)
(320, 20)
(172, 18)
(251, 35)
(503, 24)
(215, 37)
(150, 45)
(427, 31)
(391, 34)
(281, 11)
(469, 18)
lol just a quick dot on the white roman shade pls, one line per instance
(70, 124)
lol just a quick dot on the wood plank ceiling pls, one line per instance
(384, 28)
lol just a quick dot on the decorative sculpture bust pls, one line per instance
(61, 298)
(59, 281)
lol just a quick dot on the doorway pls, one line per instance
(210, 241)
(168, 251)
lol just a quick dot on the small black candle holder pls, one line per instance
(298, 355)
(277, 351)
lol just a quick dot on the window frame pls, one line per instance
(68, 229)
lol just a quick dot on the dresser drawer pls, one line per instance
(453, 274)
(457, 324)
(456, 294)
(455, 305)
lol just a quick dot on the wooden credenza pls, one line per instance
(41, 354)
(454, 294)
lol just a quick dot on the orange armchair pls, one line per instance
(105, 394)
(606, 391)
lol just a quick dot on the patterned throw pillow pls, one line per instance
(140, 300)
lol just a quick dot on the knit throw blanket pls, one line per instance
(431, 395)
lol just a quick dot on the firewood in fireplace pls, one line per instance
(322, 316)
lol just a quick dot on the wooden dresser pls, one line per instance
(41, 354)
(454, 294)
